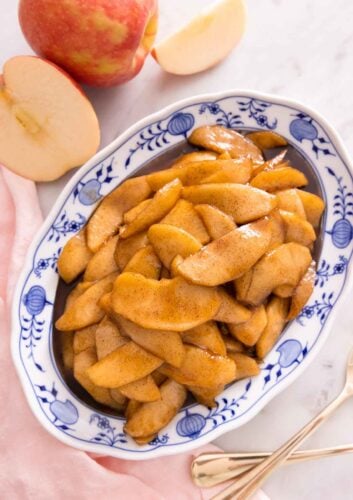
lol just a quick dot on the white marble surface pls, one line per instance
(302, 49)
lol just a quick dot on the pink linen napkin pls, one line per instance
(33, 464)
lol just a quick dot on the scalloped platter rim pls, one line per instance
(53, 403)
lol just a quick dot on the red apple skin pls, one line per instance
(99, 42)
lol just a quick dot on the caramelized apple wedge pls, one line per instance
(228, 257)
(202, 155)
(217, 222)
(102, 263)
(167, 304)
(276, 311)
(143, 390)
(230, 311)
(108, 216)
(302, 292)
(267, 139)
(108, 337)
(126, 249)
(166, 345)
(249, 332)
(206, 336)
(145, 262)
(221, 139)
(202, 368)
(124, 365)
(278, 179)
(197, 172)
(284, 265)
(84, 361)
(206, 395)
(246, 366)
(290, 200)
(242, 202)
(297, 229)
(85, 310)
(149, 418)
(184, 215)
(74, 257)
(84, 338)
(131, 214)
(169, 241)
(313, 206)
(162, 202)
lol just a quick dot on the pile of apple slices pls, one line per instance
(48, 126)
(189, 276)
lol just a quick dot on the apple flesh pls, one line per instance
(99, 42)
(48, 126)
(205, 40)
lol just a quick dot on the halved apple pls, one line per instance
(205, 40)
(48, 126)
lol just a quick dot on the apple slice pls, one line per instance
(48, 126)
(204, 41)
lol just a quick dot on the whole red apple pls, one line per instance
(99, 42)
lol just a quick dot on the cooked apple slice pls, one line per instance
(217, 222)
(246, 366)
(233, 345)
(302, 292)
(277, 229)
(119, 398)
(143, 390)
(41, 111)
(202, 368)
(297, 229)
(228, 257)
(131, 408)
(275, 162)
(197, 172)
(169, 241)
(102, 263)
(279, 178)
(284, 265)
(249, 332)
(74, 257)
(131, 214)
(221, 139)
(124, 365)
(85, 310)
(237, 176)
(167, 304)
(149, 418)
(313, 206)
(108, 337)
(162, 202)
(242, 202)
(83, 361)
(205, 41)
(267, 139)
(284, 291)
(126, 249)
(108, 216)
(66, 340)
(276, 311)
(166, 345)
(289, 200)
(84, 338)
(230, 310)
(145, 262)
(206, 395)
(194, 156)
(206, 336)
(184, 215)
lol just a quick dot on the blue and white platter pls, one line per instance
(56, 407)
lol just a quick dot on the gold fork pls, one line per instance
(210, 469)
(249, 481)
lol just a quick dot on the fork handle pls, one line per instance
(249, 481)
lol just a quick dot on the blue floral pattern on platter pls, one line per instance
(53, 403)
